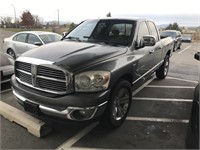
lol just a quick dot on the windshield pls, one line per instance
(115, 32)
(186, 35)
(49, 38)
(168, 34)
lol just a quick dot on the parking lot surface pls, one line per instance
(158, 117)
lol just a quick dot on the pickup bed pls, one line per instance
(92, 71)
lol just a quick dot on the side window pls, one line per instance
(143, 30)
(153, 30)
(15, 38)
(21, 37)
(33, 38)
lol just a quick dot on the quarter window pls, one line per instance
(20, 37)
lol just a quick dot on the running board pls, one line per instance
(33, 125)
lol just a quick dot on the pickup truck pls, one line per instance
(176, 35)
(91, 72)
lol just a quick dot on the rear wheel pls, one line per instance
(118, 106)
(11, 53)
(161, 73)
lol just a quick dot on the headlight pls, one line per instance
(92, 81)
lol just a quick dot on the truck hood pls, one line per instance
(74, 54)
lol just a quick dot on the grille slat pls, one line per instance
(24, 77)
(49, 72)
(46, 78)
(23, 66)
(51, 84)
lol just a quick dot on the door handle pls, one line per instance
(151, 51)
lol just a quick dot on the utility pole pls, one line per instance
(58, 17)
(14, 15)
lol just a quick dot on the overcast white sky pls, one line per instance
(78, 10)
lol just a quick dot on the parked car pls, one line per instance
(187, 38)
(92, 71)
(192, 137)
(6, 67)
(176, 35)
(23, 41)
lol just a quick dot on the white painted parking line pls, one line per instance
(5, 81)
(4, 91)
(157, 119)
(175, 87)
(184, 49)
(77, 137)
(182, 79)
(162, 99)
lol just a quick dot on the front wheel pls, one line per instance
(118, 106)
(162, 72)
(11, 53)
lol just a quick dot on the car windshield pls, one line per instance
(49, 38)
(168, 34)
(186, 36)
(114, 32)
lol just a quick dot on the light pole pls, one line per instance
(14, 14)
(58, 17)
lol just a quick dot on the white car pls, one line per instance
(6, 67)
(26, 40)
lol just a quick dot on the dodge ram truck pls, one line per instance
(91, 72)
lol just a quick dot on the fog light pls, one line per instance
(83, 114)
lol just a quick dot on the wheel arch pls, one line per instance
(128, 77)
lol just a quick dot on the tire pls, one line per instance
(179, 47)
(192, 136)
(175, 47)
(162, 71)
(118, 106)
(11, 53)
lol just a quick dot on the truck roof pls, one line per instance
(121, 18)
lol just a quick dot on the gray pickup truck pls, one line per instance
(92, 71)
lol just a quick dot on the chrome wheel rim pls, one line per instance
(166, 66)
(11, 53)
(121, 104)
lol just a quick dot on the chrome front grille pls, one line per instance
(41, 77)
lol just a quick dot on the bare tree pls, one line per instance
(7, 21)
(38, 21)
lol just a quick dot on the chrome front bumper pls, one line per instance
(71, 113)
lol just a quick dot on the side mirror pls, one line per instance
(197, 56)
(149, 40)
(38, 43)
(64, 34)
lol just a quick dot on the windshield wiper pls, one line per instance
(73, 38)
